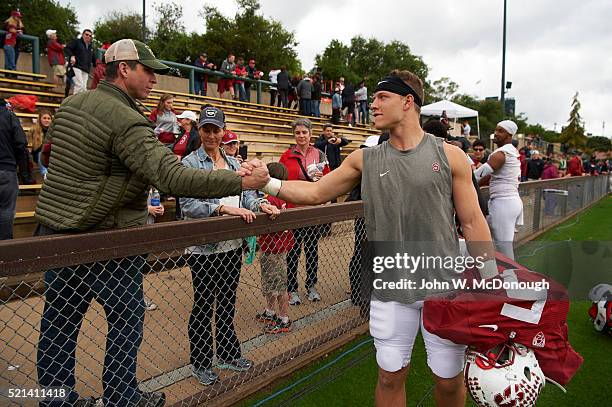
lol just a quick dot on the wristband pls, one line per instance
(273, 187)
(488, 269)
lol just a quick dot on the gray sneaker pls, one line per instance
(294, 299)
(313, 295)
(205, 376)
(238, 365)
(150, 305)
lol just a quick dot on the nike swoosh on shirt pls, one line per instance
(493, 327)
(384, 173)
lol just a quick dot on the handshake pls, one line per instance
(254, 174)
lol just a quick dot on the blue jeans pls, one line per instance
(200, 87)
(240, 92)
(10, 62)
(8, 199)
(315, 108)
(117, 286)
(363, 111)
(247, 93)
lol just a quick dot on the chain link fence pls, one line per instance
(184, 308)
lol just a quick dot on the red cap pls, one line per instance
(229, 136)
(16, 13)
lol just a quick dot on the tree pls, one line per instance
(442, 89)
(170, 41)
(368, 59)
(250, 35)
(573, 133)
(599, 143)
(117, 25)
(41, 15)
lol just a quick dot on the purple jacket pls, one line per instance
(550, 171)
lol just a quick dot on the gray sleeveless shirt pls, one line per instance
(407, 198)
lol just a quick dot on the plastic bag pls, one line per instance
(24, 102)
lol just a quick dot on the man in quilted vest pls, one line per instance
(104, 157)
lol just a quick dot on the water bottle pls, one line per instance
(312, 169)
(155, 198)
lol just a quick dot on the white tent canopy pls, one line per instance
(453, 111)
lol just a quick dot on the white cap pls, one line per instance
(50, 32)
(188, 114)
(371, 141)
(535, 152)
(509, 126)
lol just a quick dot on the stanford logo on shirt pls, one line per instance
(539, 340)
(435, 167)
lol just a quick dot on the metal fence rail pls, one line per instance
(206, 304)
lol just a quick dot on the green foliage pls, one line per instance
(599, 143)
(170, 41)
(540, 131)
(41, 15)
(250, 35)
(442, 89)
(117, 25)
(368, 59)
(573, 133)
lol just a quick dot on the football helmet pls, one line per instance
(601, 309)
(507, 376)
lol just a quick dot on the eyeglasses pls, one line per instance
(86, 35)
(479, 149)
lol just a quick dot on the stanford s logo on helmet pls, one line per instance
(508, 376)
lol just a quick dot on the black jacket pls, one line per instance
(535, 168)
(316, 91)
(84, 54)
(13, 142)
(283, 80)
(332, 151)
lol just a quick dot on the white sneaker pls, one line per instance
(294, 299)
(313, 295)
(149, 305)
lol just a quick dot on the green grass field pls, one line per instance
(348, 379)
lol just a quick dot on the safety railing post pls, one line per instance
(192, 81)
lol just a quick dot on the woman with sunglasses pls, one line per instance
(479, 155)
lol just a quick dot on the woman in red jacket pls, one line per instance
(307, 163)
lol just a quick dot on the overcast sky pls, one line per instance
(554, 47)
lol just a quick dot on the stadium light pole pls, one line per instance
(503, 76)
(144, 26)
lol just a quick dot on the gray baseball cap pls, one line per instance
(212, 115)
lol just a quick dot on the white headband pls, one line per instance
(509, 126)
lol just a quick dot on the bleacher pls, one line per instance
(265, 130)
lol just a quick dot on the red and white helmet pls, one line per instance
(508, 376)
(601, 309)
